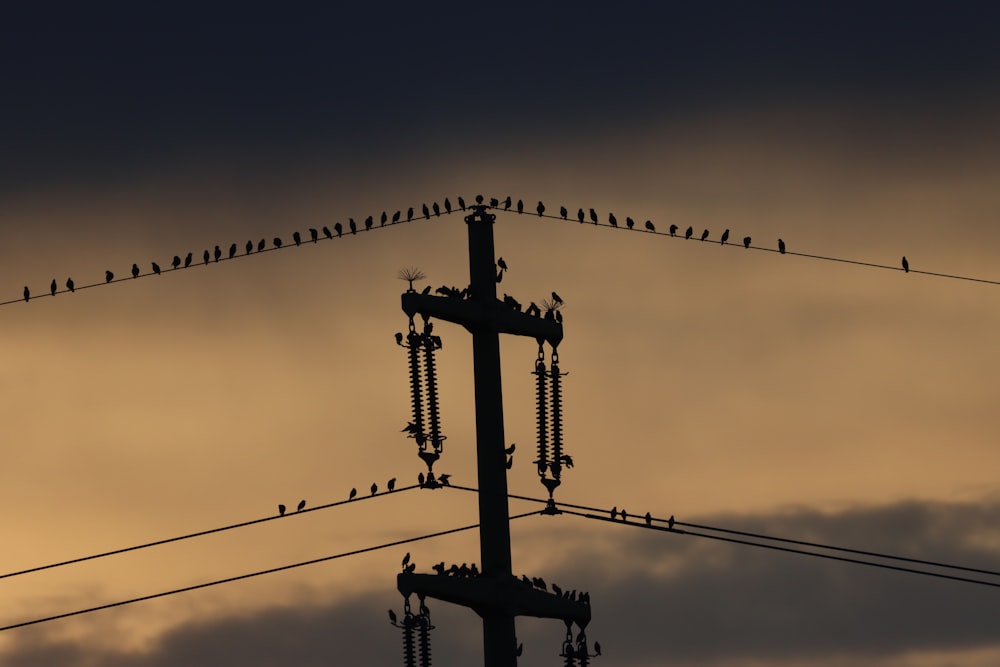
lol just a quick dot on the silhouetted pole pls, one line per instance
(499, 639)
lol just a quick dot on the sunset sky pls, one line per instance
(788, 395)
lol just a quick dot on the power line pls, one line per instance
(197, 534)
(250, 575)
(604, 514)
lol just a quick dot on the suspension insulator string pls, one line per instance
(541, 412)
(557, 439)
(409, 646)
(413, 344)
(430, 379)
(424, 628)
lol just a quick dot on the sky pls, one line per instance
(780, 394)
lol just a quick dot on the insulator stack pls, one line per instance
(409, 647)
(568, 653)
(541, 411)
(430, 375)
(413, 341)
(557, 441)
(582, 653)
(424, 628)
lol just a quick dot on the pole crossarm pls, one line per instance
(477, 315)
(485, 594)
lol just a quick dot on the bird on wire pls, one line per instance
(156, 268)
(447, 208)
(541, 209)
(688, 232)
(906, 266)
(232, 251)
(108, 277)
(593, 216)
(70, 285)
(277, 242)
(409, 214)
(27, 294)
(461, 203)
(725, 237)
(781, 246)
(746, 241)
(579, 215)
(206, 256)
(188, 259)
(53, 287)
(339, 228)
(261, 245)
(249, 247)
(353, 494)
(520, 206)
(673, 230)
(374, 488)
(649, 226)
(281, 510)
(327, 233)
(704, 235)
(395, 217)
(301, 506)
(353, 225)
(629, 222)
(368, 223)
(563, 212)
(391, 484)
(426, 211)
(218, 254)
(385, 216)
(612, 219)
(135, 270)
(176, 262)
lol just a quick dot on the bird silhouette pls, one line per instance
(406, 560)
(614, 512)
(426, 211)
(746, 241)
(781, 246)
(313, 234)
(649, 519)
(673, 230)
(301, 506)
(135, 270)
(563, 212)
(392, 617)
(557, 299)
(374, 488)
(218, 253)
(520, 648)
(688, 232)
(649, 226)
(391, 484)
(156, 268)
(502, 264)
(612, 219)
(232, 251)
(725, 237)
(409, 214)
(281, 510)
(593, 216)
(510, 462)
(670, 522)
(506, 203)
(704, 235)
(53, 287)
(353, 225)
(420, 479)
(520, 206)
(339, 228)
(510, 450)
(597, 648)
(624, 514)
(495, 203)
(437, 209)
(368, 223)
(444, 479)
(206, 256)
(385, 217)
(540, 208)
(579, 215)
(500, 275)
(906, 265)
(395, 217)
(70, 285)
(27, 293)
(261, 245)
(277, 241)
(461, 203)
(629, 222)
(108, 277)
(249, 247)
(426, 290)
(176, 262)
(327, 233)
(353, 493)
(399, 338)
(447, 207)
(188, 259)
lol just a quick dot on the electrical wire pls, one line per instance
(250, 575)
(604, 515)
(197, 534)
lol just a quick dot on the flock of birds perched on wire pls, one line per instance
(353, 227)
(390, 487)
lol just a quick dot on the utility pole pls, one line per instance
(496, 595)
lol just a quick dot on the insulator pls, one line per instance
(557, 440)
(409, 649)
(430, 377)
(568, 654)
(424, 626)
(416, 400)
(582, 652)
(541, 408)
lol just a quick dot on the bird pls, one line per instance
(649, 226)
(593, 216)
(510, 462)
(688, 232)
(906, 266)
(461, 203)
(392, 617)
(374, 488)
(352, 494)
(614, 512)
(670, 522)
(301, 506)
(502, 264)
(261, 245)
(781, 246)
(409, 214)
(206, 257)
(232, 251)
(53, 287)
(27, 293)
(597, 648)
(426, 211)
(353, 225)
(313, 234)
(108, 277)
(447, 207)
(557, 299)
(156, 268)
(494, 202)
(557, 590)
(391, 484)
(510, 450)
(612, 219)
(579, 215)
(277, 242)
(406, 559)
(746, 241)
(420, 479)
(327, 233)
(704, 235)
(368, 223)
(385, 216)
(629, 222)
(70, 285)
(563, 212)
(500, 275)
(395, 217)
(520, 206)
(281, 510)
(188, 259)
(249, 247)
(649, 519)
(540, 208)
(673, 230)
(176, 262)
(520, 648)
(339, 228)
(725, 237)
(506, 203)
(444, 479)
(426, 290)
(624, 514)
(437, 209)
(135, 270)
(218, 253)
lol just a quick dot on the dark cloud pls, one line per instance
(657, 596)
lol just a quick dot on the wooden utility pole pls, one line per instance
(496, 595)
